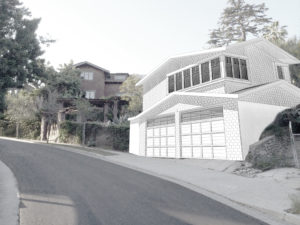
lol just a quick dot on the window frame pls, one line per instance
(187, 82)
(178, 81)
(202, 72)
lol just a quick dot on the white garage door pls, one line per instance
(161, 137)
(202, 134)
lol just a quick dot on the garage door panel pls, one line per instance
(196, 140)
(187, 152)
(171, 152)
(219, 152)
(163, 152)
(186, 128)
(150, 152)
(163, 141)
(186, 140)
(206, 137)
(171, 131)
(163, 131)
(207, 153)
(149, 132)
(196, 128)
(156, 132)
(156, 152)
(218, 139)
(217, 126)
(197, 152)
(171, 141)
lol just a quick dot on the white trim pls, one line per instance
(197, 94)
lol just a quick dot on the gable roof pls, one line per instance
(180, 61)
(91, 65)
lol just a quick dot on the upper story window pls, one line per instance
(205, 72)
(171, 83)
(90, 94)
(195, 75)
(280, 72)
(87, 75)
(187, 78)
(236, 68)
(178, 81)
(120, 77)
(215, 68)
(202, 73)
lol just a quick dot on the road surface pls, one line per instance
(61, 187)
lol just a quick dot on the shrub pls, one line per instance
(70, 132)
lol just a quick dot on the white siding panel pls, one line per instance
(171, 131)
(186, 140)
(171, 152)
(205, 127)
(163, 152)
(186, 128)
(218, 139)
(196, 139)
(196, 128)
(156, 152)
(206, 139)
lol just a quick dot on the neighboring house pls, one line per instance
(213, 104)
(101, 87)
(98, 82)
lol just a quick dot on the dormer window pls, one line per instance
(236, 68)
(87, 75)
(195, 75)
(280, 72)
(178, 81)
(215, 68)
(205, 72)
(171, 83)
(187, 78)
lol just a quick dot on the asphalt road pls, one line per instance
(61, 187)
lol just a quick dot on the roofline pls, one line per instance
(219, 49)
(92, 65)
(199, 94)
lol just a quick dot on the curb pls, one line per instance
(9, 197)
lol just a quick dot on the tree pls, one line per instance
(292, 46)
(20, 107)
(238, 21)
(133, 94)
(62, 84)
(275, 33)
(19, 47)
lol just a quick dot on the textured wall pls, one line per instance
(97, 84)
(155, 94)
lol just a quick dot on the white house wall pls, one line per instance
(134, 140)
(279, 95)
(254, 118)
(232, 131)
(155, 94)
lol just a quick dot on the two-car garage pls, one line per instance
(201, 135)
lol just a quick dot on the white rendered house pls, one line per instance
(213, 104)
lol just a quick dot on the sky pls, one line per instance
(135, 36)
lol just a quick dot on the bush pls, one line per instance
(117, 136)
(70, 132)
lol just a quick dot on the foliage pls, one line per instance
(239, 20)
(19, 48)
(281, 122)
(66, 82)
(84, 109)
(21, 106)
(117, 135)
(275, 33)
(292, 46)
(295, 199)
(133, 94)
(70, 132)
